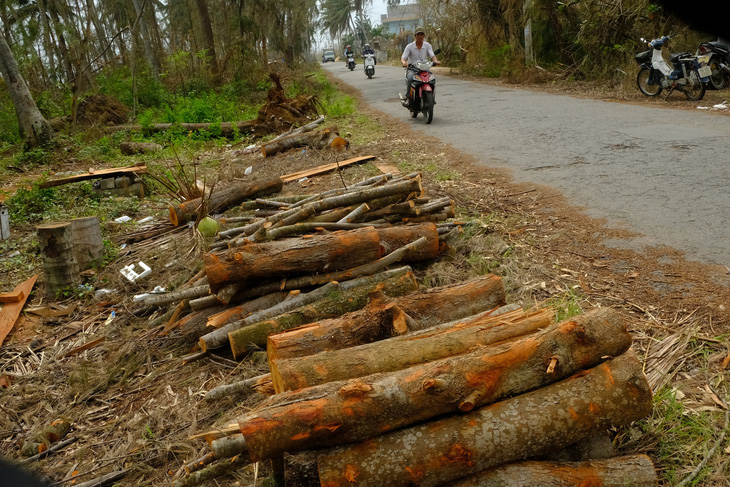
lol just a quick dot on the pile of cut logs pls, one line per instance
(374, 382)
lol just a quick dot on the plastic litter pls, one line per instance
(102, 292)
(248, 170)
(132, 275)
(122, 219)
(145, 220)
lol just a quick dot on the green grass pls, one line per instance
(29, 206)
(681, 437)
(566, 305)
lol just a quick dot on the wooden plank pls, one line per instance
(12, 297)
(96, 174)
(324, 168)
(11, 311)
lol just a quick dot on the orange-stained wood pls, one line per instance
(361, 407)
(10, 311)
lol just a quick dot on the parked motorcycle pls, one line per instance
(685, 74)
(351, 61)
(421, 93)
(719, 62)
(369, 63)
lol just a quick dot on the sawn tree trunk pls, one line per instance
(614, 393)
(404, 351)
(359, 409)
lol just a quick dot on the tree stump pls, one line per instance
(60, 267)
(87, 241)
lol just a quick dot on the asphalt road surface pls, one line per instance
(661, 172)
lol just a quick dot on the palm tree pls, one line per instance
(32, 126)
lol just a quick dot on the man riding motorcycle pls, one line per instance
(348, 52)
(418, 50)
(368, 50)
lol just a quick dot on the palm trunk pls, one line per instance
(208, 41)
(32, 126)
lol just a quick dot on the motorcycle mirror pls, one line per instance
(437, 52)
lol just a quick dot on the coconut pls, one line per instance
(208, 227)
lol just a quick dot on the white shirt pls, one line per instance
(412, 53)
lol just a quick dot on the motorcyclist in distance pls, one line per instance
(418, 50)
(368, 50)
(348, 52)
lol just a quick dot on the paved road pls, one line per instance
(664, 173)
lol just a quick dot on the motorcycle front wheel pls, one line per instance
(427, 106)
(642, 81)
(695, 90)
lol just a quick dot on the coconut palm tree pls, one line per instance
(33, 127)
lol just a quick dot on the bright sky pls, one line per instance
(375, 10)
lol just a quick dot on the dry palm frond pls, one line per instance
(665, 356)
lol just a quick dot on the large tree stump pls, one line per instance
(359, 409)
(614, 393)
(404, 351)
(60, 267)
(243, 339)
(626, 471)
(223, 199)
(383, 318)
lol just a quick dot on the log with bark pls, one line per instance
(217, 469)
(378, 320)
(615, 393)
(355, 410)
(199, 323)
(301, 282)
(46, 437)
(625, 471)
(219, 337)
(406, 188)
(223, 199)
(385, 318)
(318, 253)
(405, 351)
(352, 296)
(316, 139)
(261, 384)
(325, 252)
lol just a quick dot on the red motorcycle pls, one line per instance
(422, 91)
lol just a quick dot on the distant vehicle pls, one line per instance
(328, 55)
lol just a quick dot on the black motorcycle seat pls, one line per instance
(675, 56)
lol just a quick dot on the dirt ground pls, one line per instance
(133, 406)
